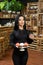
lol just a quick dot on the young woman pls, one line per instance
(20, 37)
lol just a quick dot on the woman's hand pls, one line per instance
(31, 36)
(17, 44)
(26, 44)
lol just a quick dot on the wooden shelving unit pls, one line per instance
(1, 47)
(4, 40)
(41, 45)
(35, 16)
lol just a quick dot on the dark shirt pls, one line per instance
(20, 36)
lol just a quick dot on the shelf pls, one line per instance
(40, 26)
(37, 38)
(32, 7)
(40, 0)
(7, 15)
(40, 13)
(7, 18)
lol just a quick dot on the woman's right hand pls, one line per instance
(17, 44)
(26, 44)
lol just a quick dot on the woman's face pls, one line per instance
(21, 21)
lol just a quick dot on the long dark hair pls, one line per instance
(16, 27)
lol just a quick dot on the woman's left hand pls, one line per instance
(31, 36)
